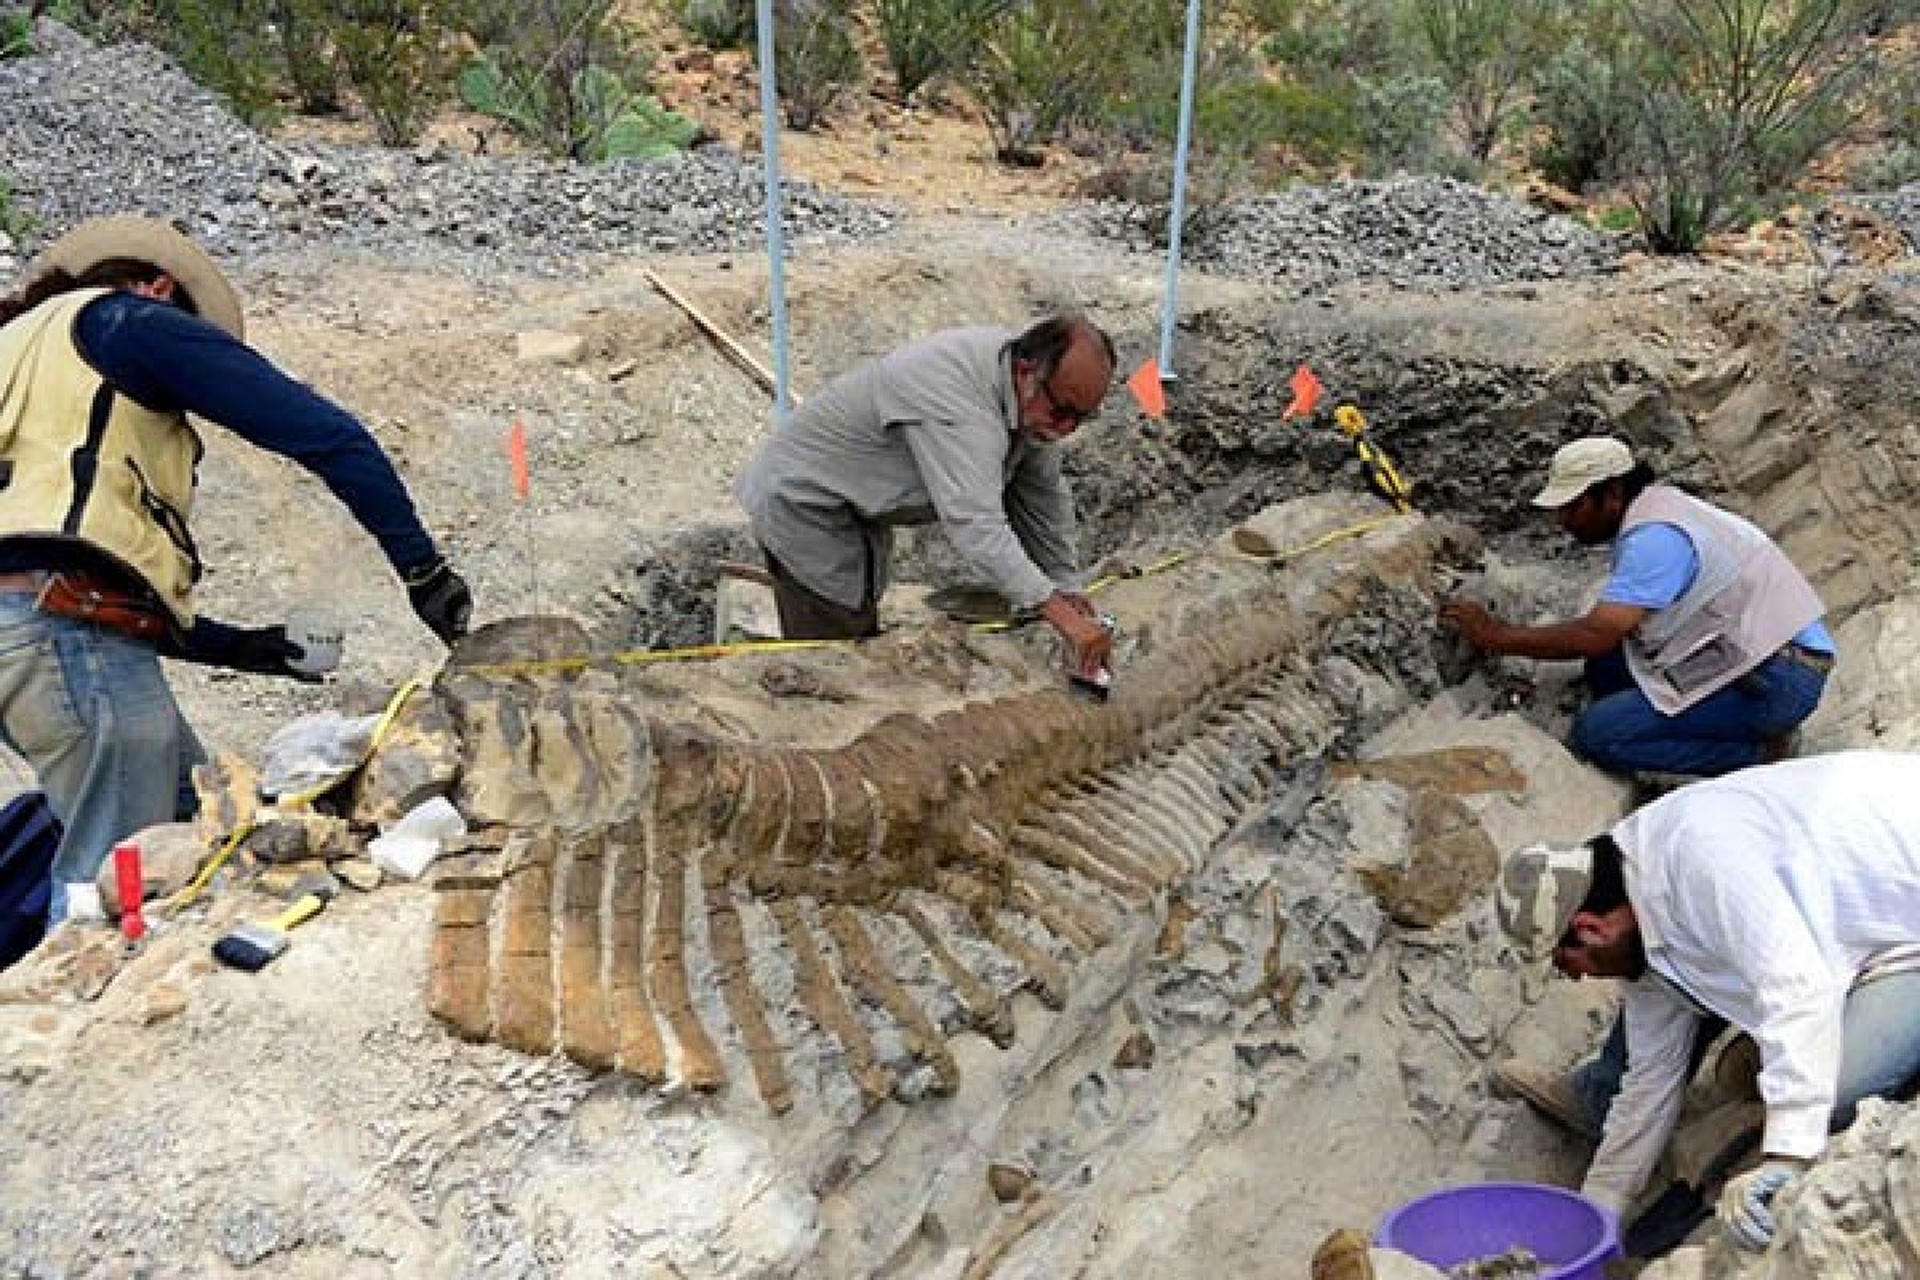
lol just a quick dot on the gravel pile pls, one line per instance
(1900, 207)
(1411, 231)
(92, 130)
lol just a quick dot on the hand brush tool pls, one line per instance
(252, 947)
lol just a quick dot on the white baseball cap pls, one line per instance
(1580, 465)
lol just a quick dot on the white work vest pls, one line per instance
(1745, 602)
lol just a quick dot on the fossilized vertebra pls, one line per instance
(1006, 820)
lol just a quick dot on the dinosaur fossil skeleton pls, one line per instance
(664, 841)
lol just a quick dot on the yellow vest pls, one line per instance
(80, 461)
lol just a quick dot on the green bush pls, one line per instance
(307, 50)
(1734, 97)
(398, 54)
(1318, 125)
(16, 34)
(1583, 110)
(814, 58)
(1895, 167)
(227, 45)
(929, 38)
(14, 221)
(534, 74)
(1034, 73)
(1399, 119)
(1618, 218)
(609, 120)
(720, 24)
(1483, 50)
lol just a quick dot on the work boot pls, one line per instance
(1344, 1255)
(1551, 1093)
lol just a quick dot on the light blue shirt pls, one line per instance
(1655, 563)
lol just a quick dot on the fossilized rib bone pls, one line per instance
(652, 862)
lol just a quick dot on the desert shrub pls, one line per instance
(558, 72)
(607, 119)
(16, 34)
(814, 58)
(929, 38)
(1617, 218)
(1896, 102)
(1319, 126)
(1734, 97)
(1033, 73)
(227, 45)
(398, 55)
(1895, 167)
(1583, 112)
(14, 221)
(1483, 50)
(1399, 119)
(307, 52)
(719, 24)
(1326, 38)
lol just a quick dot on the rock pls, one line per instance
(546, 346)
(358, 874)
(170, 856)
(417, 758)
(793, 680)
(1009, 1182)
(301, 837)
(295, 880)
(229, 792)
(76, 962)
(1136, 1051)
(744, 609)
(161, 1001)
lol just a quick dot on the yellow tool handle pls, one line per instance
(304, 909)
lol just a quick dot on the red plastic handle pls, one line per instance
(133, 889)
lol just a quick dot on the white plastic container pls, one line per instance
(410, 845)
(320, 642)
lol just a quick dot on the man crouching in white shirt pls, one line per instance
(1783, 899)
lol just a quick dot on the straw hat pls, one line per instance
(149, 240)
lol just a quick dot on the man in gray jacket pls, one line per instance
(958, 427)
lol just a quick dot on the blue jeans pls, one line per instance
(1879, 1050)
(89, 709)
(1622, 732)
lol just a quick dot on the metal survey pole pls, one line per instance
(1170, 302)
(776, 236)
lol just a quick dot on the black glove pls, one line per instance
(262, 650)
(441, 599)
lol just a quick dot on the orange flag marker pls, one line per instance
(517, 456)
(1306, 393)
(1147, 389)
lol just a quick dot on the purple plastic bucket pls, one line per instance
(1573, 1237)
